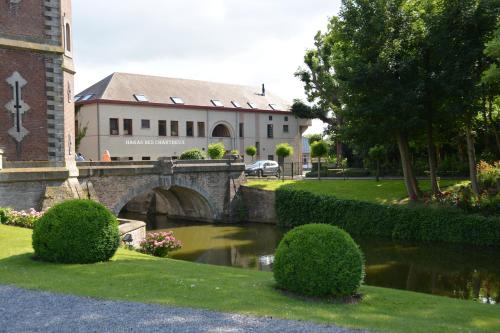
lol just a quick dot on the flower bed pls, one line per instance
(24, 219)
(159, 244)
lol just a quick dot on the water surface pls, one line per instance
(447, 270)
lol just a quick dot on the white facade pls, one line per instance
(147, 143)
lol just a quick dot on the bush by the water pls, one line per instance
(76, 231)
(318, 260)
(192, 154)
(159, 244)
(418, 223)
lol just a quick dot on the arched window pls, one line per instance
(68, 38)
(221, 131)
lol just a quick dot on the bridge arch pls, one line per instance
(179, 200)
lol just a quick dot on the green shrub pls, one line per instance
(76, 231)
(192, 154)
(318, 260)
(4, 212)
(417, 223)
(216, 151)
(251, 151)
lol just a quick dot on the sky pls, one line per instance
(247, 42)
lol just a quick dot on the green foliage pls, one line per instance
(235, 152)
(319, 149)
(76, 231)
(491, 75)
(312, 138)
(216, 151)
(416, 223)
(377, 152)
(251, 151)
(192, 154)
(318, 260)
(284, 150)
(4, 213)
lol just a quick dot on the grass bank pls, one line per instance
(135, 277)
(383, 192)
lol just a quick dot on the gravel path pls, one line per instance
(33, 311)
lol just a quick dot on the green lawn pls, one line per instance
(135, 277)
(385, 191)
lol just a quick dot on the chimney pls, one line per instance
(263, 90)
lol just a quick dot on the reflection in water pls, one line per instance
(454, 271)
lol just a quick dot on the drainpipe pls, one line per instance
(1, 157)
(98, 133)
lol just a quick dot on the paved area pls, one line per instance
(33, 311)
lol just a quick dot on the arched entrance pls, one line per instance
(221, 131)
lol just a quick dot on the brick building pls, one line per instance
(36, 81)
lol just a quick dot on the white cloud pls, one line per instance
(234, 41)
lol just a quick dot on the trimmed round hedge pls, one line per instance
(318, 260)
(76, 231)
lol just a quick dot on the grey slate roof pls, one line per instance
(123, 86)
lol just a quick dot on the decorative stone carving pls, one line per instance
(17, 106)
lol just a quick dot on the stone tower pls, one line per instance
(36, 82)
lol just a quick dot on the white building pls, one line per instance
(140, 117)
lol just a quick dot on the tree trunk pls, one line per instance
(339, 153)
(410, 181)
(319, 168)
(431, 148)
(471, 154)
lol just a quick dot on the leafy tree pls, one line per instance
(491, 84)
(216, 151)
(251, 151)
(311, 138)
(284, 150)
(374, 56)
(321, 87)
(468, 25)
(319, 149)
(377, 153)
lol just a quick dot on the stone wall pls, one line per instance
(259, 204)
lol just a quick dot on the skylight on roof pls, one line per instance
(77, 98)
(252, 105)
(87, 97)
(274, 106)
(217, 102)
(236, 104)
(141, 98)
(177, 100)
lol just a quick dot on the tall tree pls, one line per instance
(375, 63)
(321, 87)
(467, 25)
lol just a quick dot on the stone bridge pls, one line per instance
(201, 190)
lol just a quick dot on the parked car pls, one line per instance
(263, 168)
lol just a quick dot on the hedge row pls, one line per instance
(418, 223)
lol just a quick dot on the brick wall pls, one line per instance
(24, 20)
(31, 66)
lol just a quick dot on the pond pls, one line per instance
(447, 270)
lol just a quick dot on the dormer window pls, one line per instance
(140, 98)
(236, 104)
(177, 100)
(87, 97)
(275, 107)
(217, 102)
(252, 105)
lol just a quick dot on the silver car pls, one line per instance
(263, 168)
